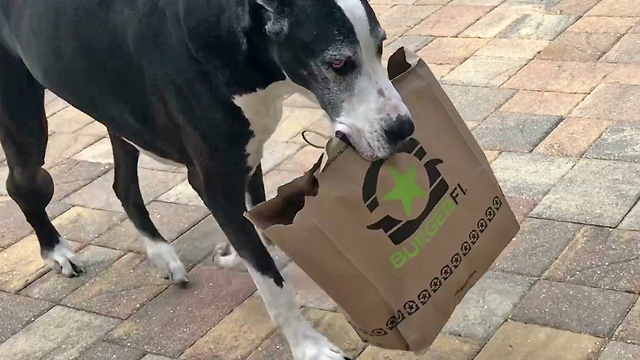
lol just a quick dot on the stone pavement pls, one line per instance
(551, 89)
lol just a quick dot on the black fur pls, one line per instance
(162, 74)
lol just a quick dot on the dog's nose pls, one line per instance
(399, 129)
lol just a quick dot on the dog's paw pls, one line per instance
(165, 257)
(311, 345)
(226, 257)
(62, 259)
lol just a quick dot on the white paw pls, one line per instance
(225, 256)
(165, 257)
(311, 345)
(62, 260)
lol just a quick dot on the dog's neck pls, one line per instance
(230, 35)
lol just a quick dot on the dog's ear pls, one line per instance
(270, 5)
(276, 22)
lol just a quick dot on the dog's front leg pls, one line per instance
(225, 197)
(305, 342)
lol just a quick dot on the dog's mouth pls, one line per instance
(344, 132)
(344, 138)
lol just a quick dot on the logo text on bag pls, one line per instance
(421, 299)
(435, 213)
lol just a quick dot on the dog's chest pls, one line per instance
(263, 109)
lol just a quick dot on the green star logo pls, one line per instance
(406, 189)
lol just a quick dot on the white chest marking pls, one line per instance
(263, 109)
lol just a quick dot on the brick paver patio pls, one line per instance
(551, 90)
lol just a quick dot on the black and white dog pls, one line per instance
(201, 83)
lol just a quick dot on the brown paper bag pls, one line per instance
(397, 243)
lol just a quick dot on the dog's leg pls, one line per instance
(23, 133)
(225, 255)
(127, 189)
(225, 197)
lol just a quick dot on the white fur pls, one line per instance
(61, 257)
(364, 112)
(166, 258)
(263, 109)
(306, 343)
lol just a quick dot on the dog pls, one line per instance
(200, 83)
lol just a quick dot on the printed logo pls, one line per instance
(406, 191)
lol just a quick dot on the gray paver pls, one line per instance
(212, 294)
(538, 27)
(70, 175)
(575, 308)
(476, 103)
(487, 305)
(620, 351)
(106, 351)
(17, 312)
(602, 258)
(529, 176)
(536, 246)
(629, 330)
(514, 132)
(99, 194)
(632, 220)
(617, 143)
(274, 348)
(60, 334)
(597, 192)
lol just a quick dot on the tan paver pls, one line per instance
(406, 15)
(83, 225)
(491, 24)
(444, 347)
(542, 102)
(579, 46)
(120, 290)
(485, 71)
(517, 341)
(237, 335)
(450, 50)
(99, 194)
(625, 51)
(607, 25)
(68, 120)
(450, 20)
(516, 48)
(624, 74)
(616, 8)
(559, 76)
(573, 137)
(20, 264)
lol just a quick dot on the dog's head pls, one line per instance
(333, 49)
